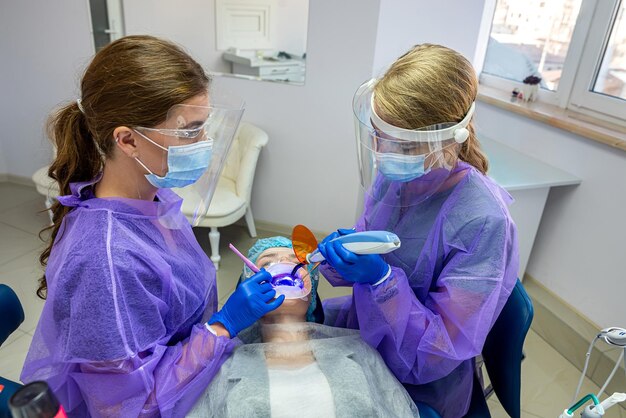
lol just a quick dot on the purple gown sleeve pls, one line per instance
(164, 381)
(424, 341)
(126, 339)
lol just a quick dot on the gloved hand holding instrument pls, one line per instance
(355, 255)
(250, 301)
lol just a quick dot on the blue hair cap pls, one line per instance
(265, 243)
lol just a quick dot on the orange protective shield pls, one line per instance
(304, 242)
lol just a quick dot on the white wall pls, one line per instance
(579, 248)
(3, 165)
(292, 20)
(405, 23)
(190, 23)
(43, 48)
(4, 100)
(307, 173)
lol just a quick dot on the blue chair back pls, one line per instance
(427, 411)
(11, 316)
(11, 312)
(502, 352)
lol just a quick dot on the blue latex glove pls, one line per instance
(357, 268)
(251, 300)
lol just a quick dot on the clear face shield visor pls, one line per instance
(403, 167)
(188, 149)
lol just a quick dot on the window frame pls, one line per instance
(583, 98)
(592, 31)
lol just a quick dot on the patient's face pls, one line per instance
(289, 307)
(276, 255)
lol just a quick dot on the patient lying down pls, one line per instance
(290, 366)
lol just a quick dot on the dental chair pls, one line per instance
(502, 355)
(11, 316)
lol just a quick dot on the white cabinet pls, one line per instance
(267, 68)
(529, 181)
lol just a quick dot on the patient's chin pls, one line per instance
(291, 310)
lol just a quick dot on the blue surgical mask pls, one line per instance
(402, 168)
(185, 164)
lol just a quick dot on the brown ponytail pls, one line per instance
(77, 159)
(131, 82)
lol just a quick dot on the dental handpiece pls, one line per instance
(366, 242)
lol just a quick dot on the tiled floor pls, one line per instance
(548, 380)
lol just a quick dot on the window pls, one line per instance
(577, 47)
(611, 77)
(535, 42)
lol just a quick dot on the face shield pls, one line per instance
(403, 167)
(192, 145)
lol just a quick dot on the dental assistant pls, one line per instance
(130, 325)
(428, 306)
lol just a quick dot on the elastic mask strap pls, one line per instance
(144, 166)
(149, 140)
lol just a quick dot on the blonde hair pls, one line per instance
(431, 84)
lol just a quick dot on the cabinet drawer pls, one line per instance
(283, 70)
(273, 70)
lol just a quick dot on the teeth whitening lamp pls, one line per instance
(366, 242)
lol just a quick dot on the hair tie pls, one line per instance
(79, 102)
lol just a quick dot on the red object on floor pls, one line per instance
(61, 413)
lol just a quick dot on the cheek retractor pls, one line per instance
(286, 282)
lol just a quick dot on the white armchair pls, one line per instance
(47, 187)
(231, 200)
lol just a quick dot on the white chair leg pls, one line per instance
(214, 240)
(250, 222)
(49, 202)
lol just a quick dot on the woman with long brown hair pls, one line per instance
(130, 326)
(428, 306)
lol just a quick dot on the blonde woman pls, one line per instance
(427, 307)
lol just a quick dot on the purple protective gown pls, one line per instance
(129, 289)
(450, 279)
